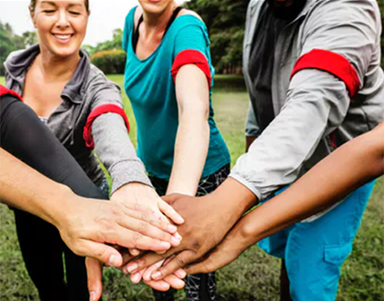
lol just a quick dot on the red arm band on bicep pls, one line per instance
(330, 62)
(5, 91)
(194, 57)
(107, 108)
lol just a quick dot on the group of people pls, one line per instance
(176, 212)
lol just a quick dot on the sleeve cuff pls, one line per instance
(247, 184)
(127, 172)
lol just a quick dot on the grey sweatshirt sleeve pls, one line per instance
(116, 151)
(112, 143)
(311, 112)
(317, 102)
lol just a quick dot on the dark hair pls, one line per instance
(33, 5)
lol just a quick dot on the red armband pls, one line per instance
(5, 91)
(330, 62)
(107, 108)
(194, 57)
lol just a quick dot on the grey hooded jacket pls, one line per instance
(314, 103)
(88, 89)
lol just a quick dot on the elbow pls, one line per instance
(197, 113)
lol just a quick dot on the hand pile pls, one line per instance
(202, 248)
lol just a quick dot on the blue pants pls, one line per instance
(315, 251)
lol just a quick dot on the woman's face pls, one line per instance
(156, 6)
(61, 25)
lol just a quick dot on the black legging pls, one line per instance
(27, 138)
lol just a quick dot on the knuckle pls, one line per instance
(180, 261)
(206, 267)
(143, 227)
(79, 249)
(195, 244)
(137, 239)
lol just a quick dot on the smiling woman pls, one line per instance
(61, 25)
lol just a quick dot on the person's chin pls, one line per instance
(64, 52)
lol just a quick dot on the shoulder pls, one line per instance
(131, 16)
(189, 19)
(98, 83)
(344, 11)
(354, 21)
(186, 12)
(137, 13)
(14, 56)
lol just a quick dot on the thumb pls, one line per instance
(103, 253)
(94, 274)
(211, 262)
(204, 267)
(170, 198)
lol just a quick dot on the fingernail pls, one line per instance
(175, 241)
(180, 220)
(135, 278)
(172, 228)
(179, 282)
(135, 252)
(132, 267)
(113, 261)
(165, 245)
(181, 274)
(178, 236)
(92, 296)
(156, 276)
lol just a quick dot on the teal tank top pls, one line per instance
(151, 90)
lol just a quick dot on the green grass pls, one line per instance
(254, 276)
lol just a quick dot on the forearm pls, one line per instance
(191, 150)
(311, 112)
(248, 141)
(349, 167)
(24, 188)
(192, 139)
(234, 198)
(116, 151)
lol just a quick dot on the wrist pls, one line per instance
(234, 197)
(133, 190)
(57, 212)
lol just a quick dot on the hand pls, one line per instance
(196, 210)
(95, 285)
(144, 199)
(208, 219)
(234, 244)
(87, 226)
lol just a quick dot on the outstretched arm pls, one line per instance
(349, 167)
(86, 225)
(192, 139)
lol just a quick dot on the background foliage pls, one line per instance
(225, 20)
(110, 61)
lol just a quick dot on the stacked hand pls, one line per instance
(207, 220)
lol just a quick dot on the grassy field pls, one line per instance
(254, 276)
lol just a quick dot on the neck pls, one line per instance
(288, 9)
(157, 23)
(57, 68)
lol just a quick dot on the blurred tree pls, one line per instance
(30, 38)
(9, 42)
(225, 20)
(114, 44)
